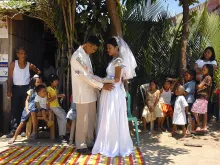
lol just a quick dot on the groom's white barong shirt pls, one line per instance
(84, 86)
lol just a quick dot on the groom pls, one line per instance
(84, 94)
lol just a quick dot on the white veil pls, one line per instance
(127, 57)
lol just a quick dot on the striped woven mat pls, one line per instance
(27, 155)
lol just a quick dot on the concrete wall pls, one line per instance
(5, 102)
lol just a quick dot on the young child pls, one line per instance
(180, 110)
(71, 115)
(71, 121)
(29, 107)
(42, 104)
(190, 86)
(152, 110)
(200, 106)
(165, 101)
(53, 96)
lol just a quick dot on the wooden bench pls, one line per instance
(29, 127)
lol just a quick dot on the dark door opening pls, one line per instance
(50, 52)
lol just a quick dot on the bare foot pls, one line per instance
(204, 129)
(173, 134)
(188, 133)
(33, 136)
(198, 129)
(183, 138)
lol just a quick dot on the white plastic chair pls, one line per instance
(143, 89)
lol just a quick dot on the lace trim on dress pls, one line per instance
(118, 62)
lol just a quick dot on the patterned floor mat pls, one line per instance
(45, 155)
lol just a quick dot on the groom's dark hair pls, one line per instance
(94, 40)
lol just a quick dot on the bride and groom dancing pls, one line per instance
(112, 133)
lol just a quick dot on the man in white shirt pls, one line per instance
(84, 89)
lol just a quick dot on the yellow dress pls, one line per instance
(51, 93)
(150, 116)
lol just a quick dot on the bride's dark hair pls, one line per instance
(112, 41)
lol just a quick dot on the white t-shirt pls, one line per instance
(201, 63)
(41, 101)
(179, 115)
(165, 97)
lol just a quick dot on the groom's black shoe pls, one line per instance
(90, 148)
(84, 151)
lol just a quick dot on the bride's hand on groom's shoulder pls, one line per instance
(108, 86)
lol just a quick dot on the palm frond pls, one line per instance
(153, 40)
(204, 31)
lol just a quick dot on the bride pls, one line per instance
(113, 136)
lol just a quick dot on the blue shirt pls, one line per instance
(190, 89)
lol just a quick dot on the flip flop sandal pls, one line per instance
(200, 130)
(11, 141)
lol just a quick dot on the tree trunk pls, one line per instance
(68, 84)
(184, 38)
(71, 11)
(115, 22)
(69, 21)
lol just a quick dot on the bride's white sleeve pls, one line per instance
(104, 80)
(118, 62)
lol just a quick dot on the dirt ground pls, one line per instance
(160, 148)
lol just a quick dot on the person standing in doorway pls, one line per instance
(84, 89)
(18, 83)
(48, 69)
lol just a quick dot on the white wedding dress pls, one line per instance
(113, 136)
